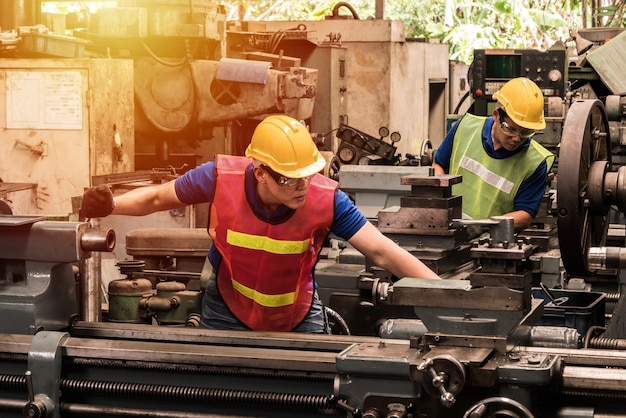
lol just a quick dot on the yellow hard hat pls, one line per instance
(522, 101)
(285, 145)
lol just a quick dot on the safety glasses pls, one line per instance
(287, 182)
(509, 131)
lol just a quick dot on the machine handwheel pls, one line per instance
(442, 376)
(584, 159)
(498, 407)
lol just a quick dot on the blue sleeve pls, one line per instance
(444, 151)
(531, 191)
(348, 218)
(196, 185)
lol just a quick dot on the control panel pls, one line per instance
(492, 68)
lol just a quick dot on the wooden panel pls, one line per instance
(61, 116)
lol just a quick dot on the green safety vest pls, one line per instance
(489, 184)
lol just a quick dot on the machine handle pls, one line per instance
(36, 406)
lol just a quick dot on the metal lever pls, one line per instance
(439, 381)
(442, 376)
(35, 408)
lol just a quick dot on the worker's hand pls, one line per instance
(97, 202)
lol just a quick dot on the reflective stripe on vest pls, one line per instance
(486, 175)
(265, 300)
(256, 242)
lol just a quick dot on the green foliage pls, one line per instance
(464, 25)
(613, 15)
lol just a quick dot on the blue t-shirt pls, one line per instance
(531, 191)
(198, 186)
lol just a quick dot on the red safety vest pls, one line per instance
(265, 276)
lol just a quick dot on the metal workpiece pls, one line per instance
(606, 258)
(429, 209)
(552, 336)
(501, 229)
(608, 379)
(422, 224)
(94, 240)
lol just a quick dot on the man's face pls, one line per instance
(509, 135)
(284, 190)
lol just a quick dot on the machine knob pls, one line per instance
(35, 409)
(555, 75)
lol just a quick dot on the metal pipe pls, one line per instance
(91, 270)
(78, 410)
(12, 405)
(96, 239)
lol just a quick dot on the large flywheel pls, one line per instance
(583, 202)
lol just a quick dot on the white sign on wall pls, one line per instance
(44, 100)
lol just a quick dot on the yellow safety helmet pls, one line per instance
(285, 145)
(522, 101)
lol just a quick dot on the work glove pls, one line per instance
(97, 202)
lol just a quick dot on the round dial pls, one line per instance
(554, 75)
(395, 137)
(383, 131)
(346, 154)
(364, 160)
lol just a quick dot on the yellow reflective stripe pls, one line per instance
(259, 242)
(271, 301)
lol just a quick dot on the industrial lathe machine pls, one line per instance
(522, 325)
(518, 328)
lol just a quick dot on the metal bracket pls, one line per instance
(44, 374)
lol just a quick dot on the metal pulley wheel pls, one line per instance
(583, 205)
(498, 407)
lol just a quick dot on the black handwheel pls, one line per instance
(498, 407)
(584, 159)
